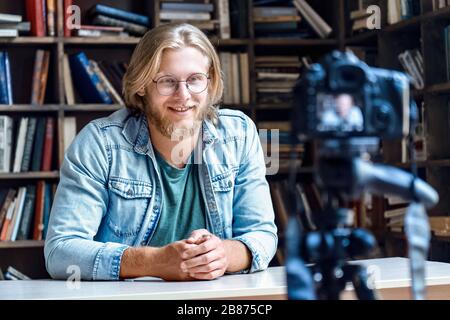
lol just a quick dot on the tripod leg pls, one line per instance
(361, 282)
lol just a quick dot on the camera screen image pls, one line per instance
(339, 113)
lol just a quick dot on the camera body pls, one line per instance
(342, 97)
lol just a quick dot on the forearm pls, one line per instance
(238, 255)
(139, 262)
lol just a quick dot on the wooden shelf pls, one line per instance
(28, 40)
(111, 40)
(29, 108)
(403, 25)
(363, 37)
(294, 42)
(92, 107)
(274, 106)
(440, 88)
(29, 175)
(22, 244)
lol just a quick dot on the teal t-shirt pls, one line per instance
(183, 208)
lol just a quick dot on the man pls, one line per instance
(170, 186)
(343, 115)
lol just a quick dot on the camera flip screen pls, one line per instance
(339, 113)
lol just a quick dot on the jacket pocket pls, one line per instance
(223, 182)
(128, 203)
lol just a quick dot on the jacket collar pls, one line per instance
(137, 134)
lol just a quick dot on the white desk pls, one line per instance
(269, 284)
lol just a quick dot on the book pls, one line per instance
(20, 144)
(38, 224)
(51, 17)
(107, 84)
(183, 15)
(9, 33)
(10, 18)
(67, 11)
(29, 141)
(68, 84)
(6, 125)
(26, 223)
(40, 75)
(38, 145)
(47, 152)
(34, 13)
(132, 28)
(18, 214)
(47, 207)
(16, 273)
(224, 18)
(7, 222)
(10, 196)
(22, 27)
(100, 9)
(5, 79)
(193, 7)
(70, 131)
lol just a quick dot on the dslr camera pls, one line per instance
(343, 97)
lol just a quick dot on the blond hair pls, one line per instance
(146, 60)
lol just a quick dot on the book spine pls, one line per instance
(27, 215)
(5, 205)
(43, 77)
(19, 214)
(31, 131)
(35, 91)
(39, 211)
(183, 15)
(122, 14)
(47, 153)
(38, 145)
(192, 7)
(6, 124)
(67, 31)
(47, 208)
(224, 19)
(20, 144)
(34, 11)
(3, 85)
(7, 222)
(8, 80)
(51, 5)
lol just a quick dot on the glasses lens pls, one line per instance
(197, 83)
(166, 85)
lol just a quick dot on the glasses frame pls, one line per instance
(178, 83)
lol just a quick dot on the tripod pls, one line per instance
(326, 250)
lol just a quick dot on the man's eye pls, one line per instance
(167, 81)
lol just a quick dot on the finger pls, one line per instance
(208, 275)
(196, 234)
(199, 260)
(209, 267)
(200, 249)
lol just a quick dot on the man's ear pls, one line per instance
(141, 92)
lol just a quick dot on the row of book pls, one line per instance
(235, 67)
(211, 17)
(399, 10)
(24, 211)
(439, 4)
(412, 63)
(39, 78)
(32, 149)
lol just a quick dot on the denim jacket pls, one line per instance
(109, 196)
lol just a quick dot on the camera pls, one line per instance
(342, 97)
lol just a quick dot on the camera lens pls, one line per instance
(382, 117)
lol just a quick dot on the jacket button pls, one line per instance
(230, 184)
(130, 192)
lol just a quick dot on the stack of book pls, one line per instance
(11, 25)
(276, 22)
(32, 149)
(275, 78)
(110, 21)
(235, 68)
(399, 10)
(13, 274)
(412, 63)
(197, 14)
(394, 215)
(313, 19)
(24, 212)
(42, 17)
(6, 96)
(95, 82)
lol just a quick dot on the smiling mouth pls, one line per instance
(181, 109)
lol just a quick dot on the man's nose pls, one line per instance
(182, 90)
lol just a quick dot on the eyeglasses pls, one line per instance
(195, 83)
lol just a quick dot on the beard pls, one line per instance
(173, 130)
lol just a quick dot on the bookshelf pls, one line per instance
(28, 255)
